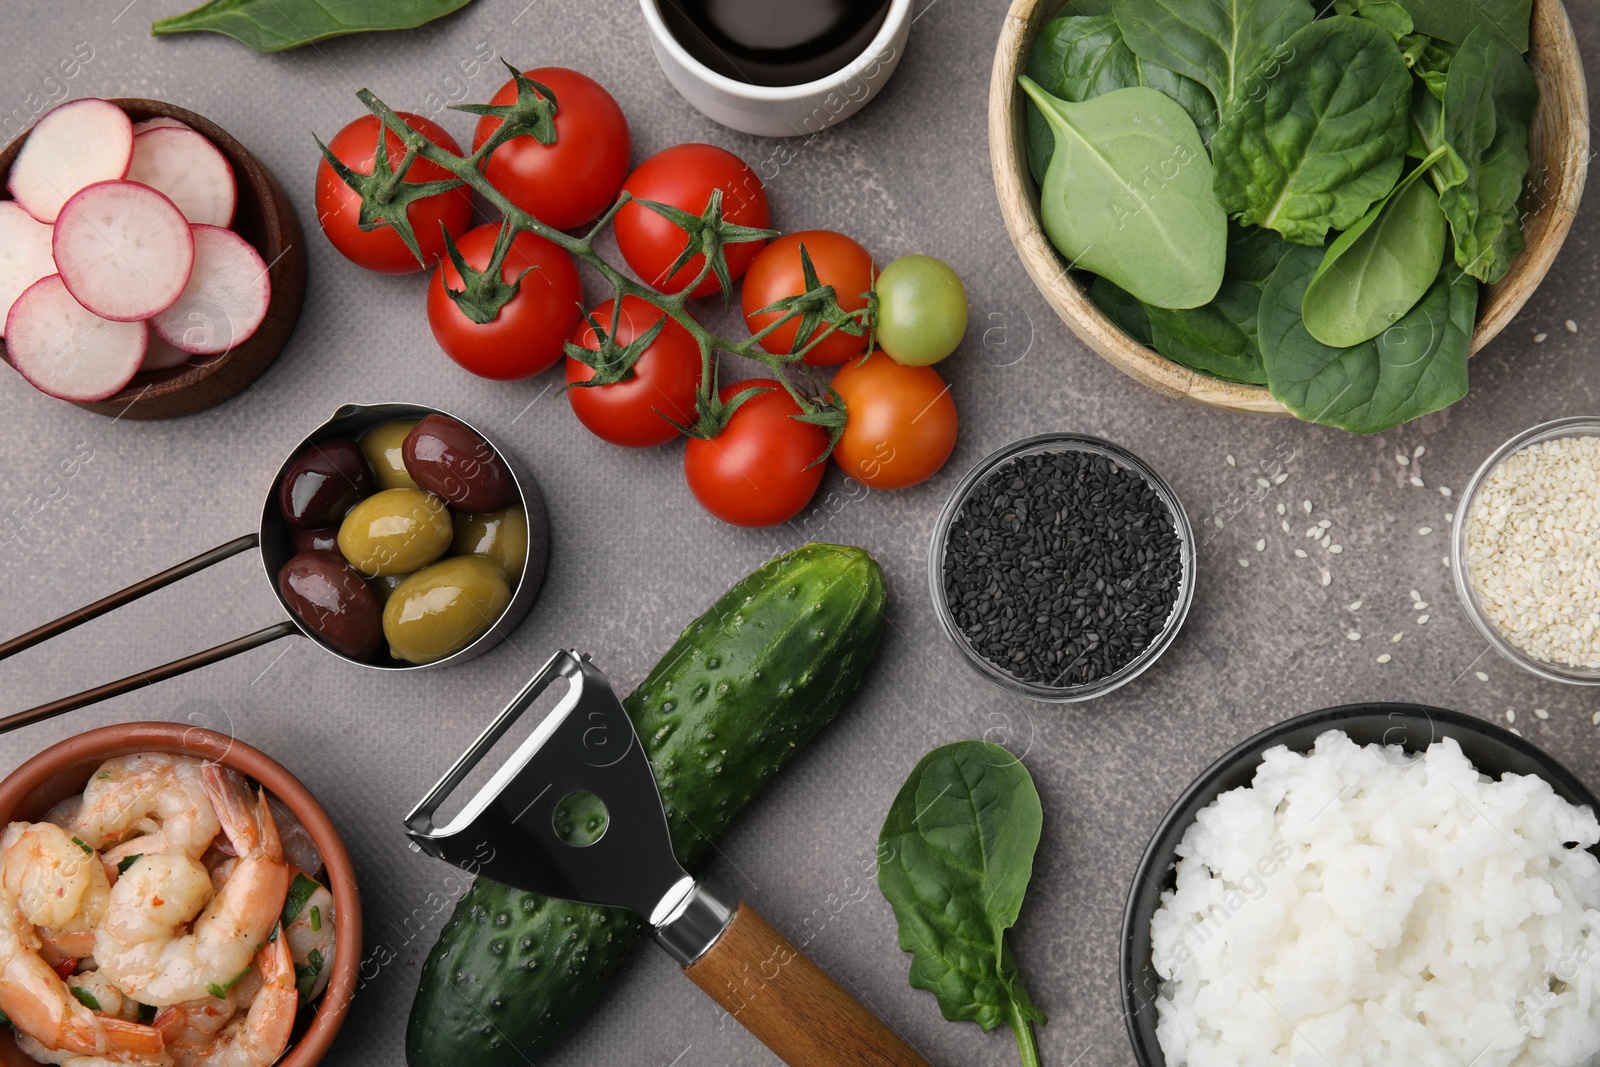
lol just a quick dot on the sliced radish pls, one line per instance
(123, 249)
(79, 143)
(189, 170)
(158, 123)
(162, 356)
(68, 351)
(24, 255)
(226, 298)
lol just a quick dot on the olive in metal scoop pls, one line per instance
(587, 744)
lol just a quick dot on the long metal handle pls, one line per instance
(149, 677)
(127, 596)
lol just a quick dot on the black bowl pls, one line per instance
(1493, 751)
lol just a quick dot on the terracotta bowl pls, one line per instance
(1560, 149)
(63, 769)
(266, 219)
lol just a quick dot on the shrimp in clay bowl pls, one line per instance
(170, 897)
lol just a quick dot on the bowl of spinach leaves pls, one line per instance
(1286, 208)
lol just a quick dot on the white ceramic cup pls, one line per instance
(782, 110)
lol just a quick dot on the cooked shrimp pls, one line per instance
(312, 931)
(139, 945)
(102, 996)
(259, 1038)
(158, 798)
(29, 1047)
(59, 884)
(39, 1004)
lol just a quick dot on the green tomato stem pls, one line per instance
(1027, 1047)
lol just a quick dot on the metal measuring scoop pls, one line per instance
(588, 744)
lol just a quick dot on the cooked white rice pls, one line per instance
(1358, 907)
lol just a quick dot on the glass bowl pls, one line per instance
(1048, 444)
(1579, 426)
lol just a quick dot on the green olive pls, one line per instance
(396, 531)
(382, 447)
(444, 608)
(500, 535)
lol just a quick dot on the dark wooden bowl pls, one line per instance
(266, 219)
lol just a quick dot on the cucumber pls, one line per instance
(745, 686)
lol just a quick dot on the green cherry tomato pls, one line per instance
(922, 310)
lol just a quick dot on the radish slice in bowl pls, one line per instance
(79, 143)
(162, 356)
(124, 250)
(189, 170)
(24, 255)
(159, 122)
(226, 298)
(67, 351)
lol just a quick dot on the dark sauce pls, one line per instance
(774, 42)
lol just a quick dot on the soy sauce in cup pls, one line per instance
(774, 42)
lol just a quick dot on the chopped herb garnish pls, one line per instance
(86, 998)
(215, 990)
(300, 892)
(306, 974)
(103, 775)
(124, 864)
(316, 918)
(79, 842)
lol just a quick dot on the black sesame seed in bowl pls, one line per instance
(1062, 567)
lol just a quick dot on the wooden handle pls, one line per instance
(797, 1011)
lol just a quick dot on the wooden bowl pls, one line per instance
(266, 219)
(1559, 144)
(63, 769)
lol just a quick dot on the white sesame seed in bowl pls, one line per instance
(1525, 552)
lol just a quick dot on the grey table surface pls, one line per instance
(634, 558)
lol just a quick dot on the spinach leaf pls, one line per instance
(1388, 15)
(1429, 59)
(955, 858)
(1417, 366)
(1225, 45)
(1078, 59)
(1454, 20)
(1327, 138)
(1122, 308)
(1379, 268)
(1086, 7)
(1488, 106)
(1128, 194)
(277, 25)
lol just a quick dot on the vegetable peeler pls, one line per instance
(588, 744)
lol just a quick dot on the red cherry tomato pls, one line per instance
(528, 334)
(902, 422)
(777, 274)
(664, 383)
(755, 473)
(572, 180)
(339, 207)
(684, 177)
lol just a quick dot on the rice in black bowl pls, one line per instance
(1062, 567)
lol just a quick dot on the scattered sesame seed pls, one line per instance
(1326, 542)
(1325, 523)
(1263, 483)
(1352, 635)
(1315, 531)
(1402, 459)
(1540, 713)
(1327, 578)
(1516, 731)
(1481, 676)
(1300, 553)
(1281, 509)
(1444, 490)
(1261, 545)
(1244, 563)
(1594, 720)
(1511, 715)
(1416, 481)
(1385, 658)
(1217, 519)
(1231, 461)
(1415, 595)
(1425, 530)
(1306, 504)
(1539, 338)
(1449, 516)
(1422, 620)
(1355, 605)
(1280, 478)
(1418, 451)
(1335, 549)
(1395, 640)
(1419, 605)
(1285, 525)
(1571, 326)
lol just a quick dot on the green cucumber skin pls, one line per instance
(746, 686)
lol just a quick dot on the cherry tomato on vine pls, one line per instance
(922, 310)
(572, 180)
(684, 176)
(902, 423)
(530, 330)
(757, 471)
(777, 275)
(339, 206)
(664, 383)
